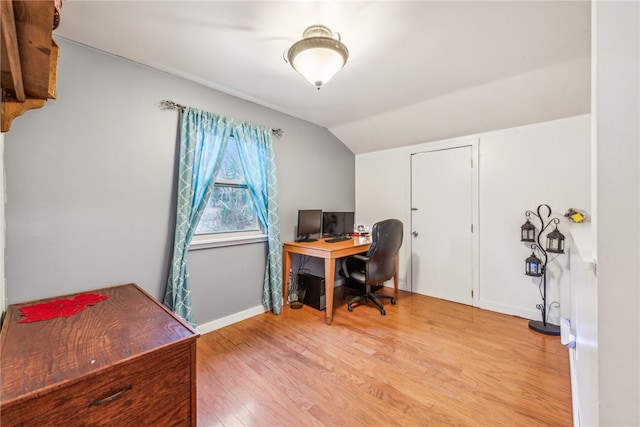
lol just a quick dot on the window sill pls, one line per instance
(226, 241)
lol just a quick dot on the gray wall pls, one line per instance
(91, 185)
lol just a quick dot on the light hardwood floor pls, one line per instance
(428, 362)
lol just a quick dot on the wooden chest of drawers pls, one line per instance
(124, 361)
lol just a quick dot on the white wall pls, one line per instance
(583, 318)
(519, 168)
(616, 114)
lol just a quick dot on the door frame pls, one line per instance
(474, 143)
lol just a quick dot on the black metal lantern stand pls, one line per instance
(537, 267)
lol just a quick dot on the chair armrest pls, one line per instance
(360, 257)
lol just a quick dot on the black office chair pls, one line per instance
(378, 265)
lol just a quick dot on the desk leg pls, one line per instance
(329, 274)
(286, 266)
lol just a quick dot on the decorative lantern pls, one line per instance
(527, 232)
(555, 242)
(536, 267)
(533, 266)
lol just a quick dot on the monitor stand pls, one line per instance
(306, 239)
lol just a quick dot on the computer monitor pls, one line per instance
(337, 223)
(309, 223)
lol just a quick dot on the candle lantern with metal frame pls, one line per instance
(528, 231)
(533, 264)
(555, 240)
(537, 267)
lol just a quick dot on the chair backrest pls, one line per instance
(386, 239)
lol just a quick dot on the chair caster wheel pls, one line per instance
(383, 313)
(349, 308)
(393, 301)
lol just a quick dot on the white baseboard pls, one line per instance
(229, 320)
(516, 311)
(402, 286)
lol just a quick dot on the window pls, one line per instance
(230, 216)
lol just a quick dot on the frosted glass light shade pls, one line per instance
(318, 56)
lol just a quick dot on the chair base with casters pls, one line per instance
(367, 294)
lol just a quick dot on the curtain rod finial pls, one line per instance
(169, 105)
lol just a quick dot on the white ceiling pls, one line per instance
(418, 71)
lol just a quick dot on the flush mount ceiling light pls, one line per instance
(318, 56)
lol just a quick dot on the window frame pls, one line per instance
(233, 238)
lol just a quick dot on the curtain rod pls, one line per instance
(170, 105)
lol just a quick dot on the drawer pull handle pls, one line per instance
(110, 398)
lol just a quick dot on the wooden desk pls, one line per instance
(329, 252)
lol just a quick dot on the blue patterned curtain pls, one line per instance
(202, 141)
(255, 147)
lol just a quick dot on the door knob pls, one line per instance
(415, 234)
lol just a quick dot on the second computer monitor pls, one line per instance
(337, 223)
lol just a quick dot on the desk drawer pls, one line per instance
(153, 389)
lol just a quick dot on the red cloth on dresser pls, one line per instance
(57, 308)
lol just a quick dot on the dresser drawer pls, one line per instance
(152, 389)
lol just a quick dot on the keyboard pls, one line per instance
(338, 239)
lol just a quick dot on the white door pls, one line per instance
(441, 221)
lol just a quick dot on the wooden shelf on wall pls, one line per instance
(29, 57)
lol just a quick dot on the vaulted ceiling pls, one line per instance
(418, 71)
